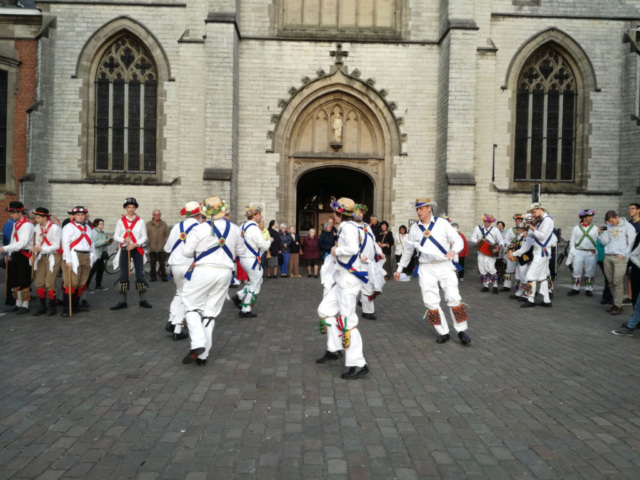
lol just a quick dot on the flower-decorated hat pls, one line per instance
(446, 217)
(360, 206)
(488, 218)
(214, 207)
(252, 210)
(344, 206)
(535, 206)
(130, 201)
(190, 209)
(519, 217)
(15, 207)
(78, 209)
(586, 213)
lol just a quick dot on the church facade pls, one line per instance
(289, 102)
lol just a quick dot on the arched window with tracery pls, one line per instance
(545, 133)
(126, 109)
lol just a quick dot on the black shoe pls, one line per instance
(589, 293)
(329, 356)
(506, 289)
(528, 304)
(119, 306)
(443, 338)
(573, 293)
(309, 276)
(193, 355)
(369, 316)
(43, 308)
(65, 313)
(315, 276)
(355, 372)
(547, 305)
(180, 336)
(237, 302)
(145, 304)
(169, 327)
(11, 309)
(202, 362)
(52, 309)
(22, 311)
(495, 290)
(627, 301)
(165, 279)
(464, 338)
(152, 279)
(514, 297)
(623, 331)
(100, 288)
(485, 289)
(84, 304)
(247, 315)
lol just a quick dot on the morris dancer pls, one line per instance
(521, 253)
(543, 239)
(131, 234)
(48, 260)
(213, 245)
(488, 240)
(510, 238)
(79, 255)
(582, 253)
(251, 261)
(179, 265)
(429, 237)
(337, 311)
(371, 254)
(19, 258)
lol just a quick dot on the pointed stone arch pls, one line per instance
(350, 95)
(587, 85)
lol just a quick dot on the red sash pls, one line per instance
(45, 239)
(128, 226)
(83, 235)
(16, 227)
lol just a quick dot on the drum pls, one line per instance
(486, 248)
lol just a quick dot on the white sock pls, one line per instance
(19, 300)
(178, 329)
(25, 304)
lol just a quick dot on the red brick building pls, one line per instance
(20, 29)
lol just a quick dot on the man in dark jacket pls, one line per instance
(327, 240)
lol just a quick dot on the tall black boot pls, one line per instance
(52, 307)
(42, 309)
(65, 305)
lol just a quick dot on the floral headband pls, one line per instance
(253, 211)
(587, 213)
(488, 218)
(360, 206)
(195, 211)
(340, 208)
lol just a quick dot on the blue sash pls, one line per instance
(221, 244)
(183, 235)
(349, 265)
(544, 245)
(258, 261)
(427, 235)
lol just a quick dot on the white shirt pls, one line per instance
(371, 248)
(526, 245)
(176, 257)
(70, 233)
(349, 241)
(202, 239)
(510, 237)
(586, 244)
(543, 231)
(401, 241)
(139, 232)
(53, 236)
(25, 237)
(493, 235)
(442, 232)
(253, 237)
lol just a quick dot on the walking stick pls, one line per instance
(6, 275)
(70, 293)
(33, 259)
(129, 256)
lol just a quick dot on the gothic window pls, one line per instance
(126, 109)
(4, 100)
(545, 136)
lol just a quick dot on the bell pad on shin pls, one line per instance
(141, 287)
(26, 294)
(434, 317)
(460, 314)
(14, 292)
(323, 326)
(346, 339)
(123, 287)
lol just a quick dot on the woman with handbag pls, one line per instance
(102, 242)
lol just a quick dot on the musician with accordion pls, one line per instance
(488, 238)
(521, 254)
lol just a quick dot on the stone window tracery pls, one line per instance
(545, 131)
(126, 109)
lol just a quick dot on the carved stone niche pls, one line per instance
(338, 124)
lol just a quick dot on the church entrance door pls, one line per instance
(316, 189)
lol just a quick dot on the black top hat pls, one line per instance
(130, 201)
(42, 212)
(75, 210)
(15, 207)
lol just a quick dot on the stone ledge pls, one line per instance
(29, 177)
(341, 156)
(220, 174)
(224, 17)
(597, 193)
(466, 179)
(118, 180)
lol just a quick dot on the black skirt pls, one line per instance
(19, 274)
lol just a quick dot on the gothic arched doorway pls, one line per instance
(316, 188)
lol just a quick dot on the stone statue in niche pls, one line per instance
(336, 139)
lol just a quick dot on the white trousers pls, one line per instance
(509, 272)
(176, 310)
(521, 278)
(203, 298)
(538, 268)
(434, 275)
(252, 287)
(584, 260)
(341, 300)
(487, 267)
(367, 305)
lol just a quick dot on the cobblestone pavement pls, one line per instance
(538, 394)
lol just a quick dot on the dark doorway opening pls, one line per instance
(316, 189)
